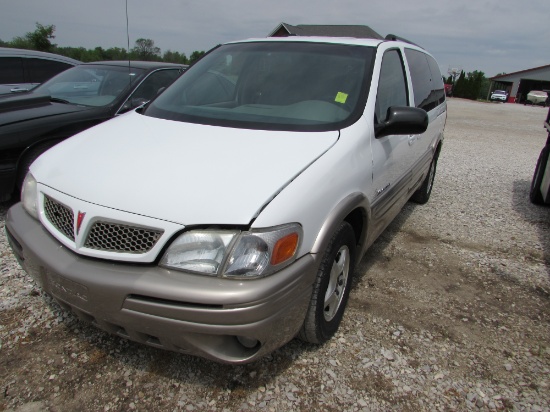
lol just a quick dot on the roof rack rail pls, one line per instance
(393, 37)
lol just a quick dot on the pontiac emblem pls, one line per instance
(79, 220)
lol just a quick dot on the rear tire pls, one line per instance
(422, 194)
(331, 288)
(535, 194)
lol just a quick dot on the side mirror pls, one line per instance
(402, 120)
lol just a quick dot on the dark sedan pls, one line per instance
(71, 102)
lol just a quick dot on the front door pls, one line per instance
(392, 155)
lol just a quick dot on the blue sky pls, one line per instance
(492, 36)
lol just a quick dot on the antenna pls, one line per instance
(128, 39)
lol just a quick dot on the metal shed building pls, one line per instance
(518, 84)
(323, 30)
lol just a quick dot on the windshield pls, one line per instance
(272, 86)
(90, 85)
(499, 92)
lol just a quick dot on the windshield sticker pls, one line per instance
(341, 97)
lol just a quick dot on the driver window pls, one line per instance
(392, 86)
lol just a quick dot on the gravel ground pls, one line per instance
(450, 310)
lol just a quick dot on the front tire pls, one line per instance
(331, 288)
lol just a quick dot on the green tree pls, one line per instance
(20, 43)
(35, 40)
(484, 91)
(72, 52)
(460, 85)
(471, 86)
(196, 55)
(115, 53)
(40, 38)
(174, 57)
(476, 79)
(145, 50)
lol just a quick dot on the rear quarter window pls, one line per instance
(11, 70)
(40, 70)
(428, 87)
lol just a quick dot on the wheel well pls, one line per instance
(42, 145)
(28, 156)
(357, 220)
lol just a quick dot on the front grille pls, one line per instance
(115, 237)
(60, 216)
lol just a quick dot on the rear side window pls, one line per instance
(11, 70)
(437, 79)
(426, 79)
(41, 70)
(392, 86)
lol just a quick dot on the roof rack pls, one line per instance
(393, 37)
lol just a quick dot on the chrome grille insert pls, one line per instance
(60, 216)
(114, 237)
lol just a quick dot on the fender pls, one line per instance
(354, 201)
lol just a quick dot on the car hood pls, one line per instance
(180, 172)
(15, 109)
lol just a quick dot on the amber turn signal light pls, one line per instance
(284, 249)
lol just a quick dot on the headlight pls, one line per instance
(29, 195)
(200, 251)
(234, 254)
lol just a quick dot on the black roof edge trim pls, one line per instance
(393, 37)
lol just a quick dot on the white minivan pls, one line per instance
(226, 216)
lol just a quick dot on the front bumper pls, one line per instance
(167, 309)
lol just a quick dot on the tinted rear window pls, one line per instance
(11, 70)
(41, 70)
(427, 82)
